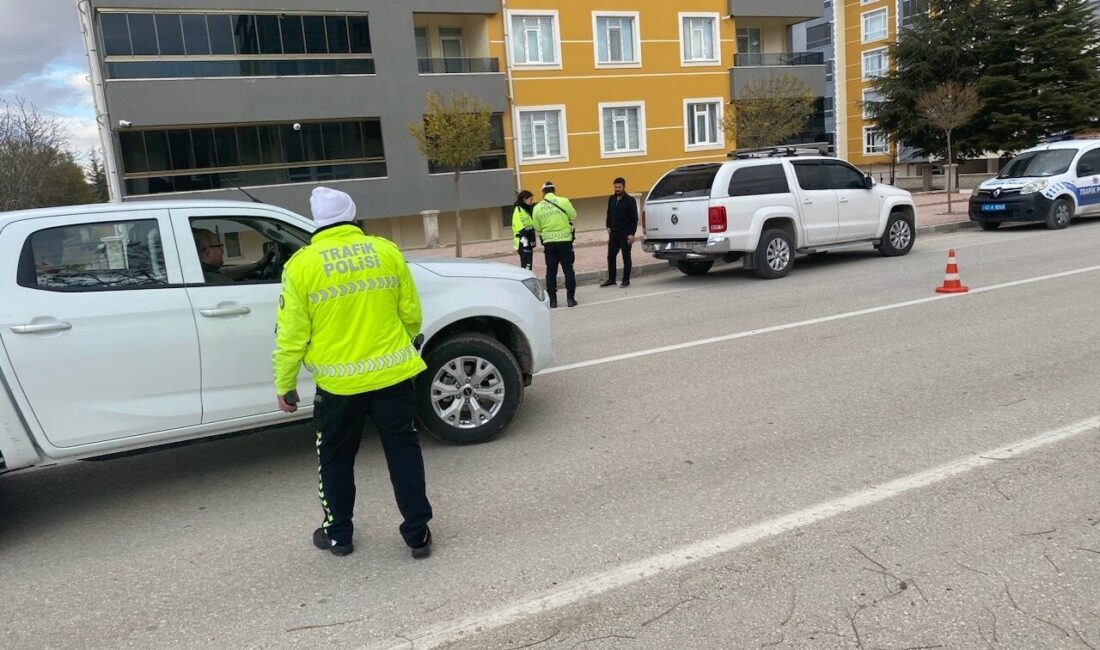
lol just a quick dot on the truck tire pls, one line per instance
(694, 267)
(898, 238)
(1061, 213)
(471, 391)
(774, 255)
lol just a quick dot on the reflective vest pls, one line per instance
(521, 221)
(349, 310)
(554, 217)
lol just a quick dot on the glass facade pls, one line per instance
(173, 45)
(206, 158)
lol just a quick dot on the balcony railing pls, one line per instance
(779, 58)
(458, 66)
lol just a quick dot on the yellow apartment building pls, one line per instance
(633, 88)
(864, 31)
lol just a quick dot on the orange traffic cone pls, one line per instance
(951, 283)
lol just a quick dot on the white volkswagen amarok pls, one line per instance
(111, 340)
(766, 209)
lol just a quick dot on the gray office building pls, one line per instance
(278, 97)
(816, 36)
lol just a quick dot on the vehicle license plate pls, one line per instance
(993, 207)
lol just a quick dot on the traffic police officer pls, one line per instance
(350, 311)
(554, 217)
(523, 229)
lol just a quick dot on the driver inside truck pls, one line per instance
(212, 257)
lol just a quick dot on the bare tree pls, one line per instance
(454, 134)
(949, 106)
(32, 146)
(770, 112)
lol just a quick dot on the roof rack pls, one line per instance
(784, 151)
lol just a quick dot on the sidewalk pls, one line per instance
(591, 245)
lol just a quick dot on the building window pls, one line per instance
(874, 25)
(203, 158)
(829, 67)
(493, 158)
(828, 107)
(233, 245)
(818, 36)
(699, 39)
(165, 45)
(870, 98)
(703, 123)
(911, 10)
(542, 133)
(828, 4)
(874, 142)
(535, 40)
(618, 40)
(749, 41)
(874, 63)
(622, 129)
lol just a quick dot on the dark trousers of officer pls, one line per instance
(339, 420)
(560, 253)
(527, 258)
(617, 243)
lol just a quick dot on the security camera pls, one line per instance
(297, 127)
(125, 124)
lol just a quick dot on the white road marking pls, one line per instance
(628, 574)
(806, 323)
(636, 297)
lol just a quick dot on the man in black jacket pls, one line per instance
(622, 225)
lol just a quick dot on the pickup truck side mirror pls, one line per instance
(868, 182)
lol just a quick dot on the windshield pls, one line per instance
(1039, 163)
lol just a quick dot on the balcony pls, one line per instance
(755, 68)
(453, 65)
(793, 11)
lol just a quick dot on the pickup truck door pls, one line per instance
(236, 319)
(97, 326)
(817, 201)
(860, 208)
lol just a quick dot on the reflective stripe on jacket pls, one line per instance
(349, 310)
(554, 217)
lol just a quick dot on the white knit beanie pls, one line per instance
(331, 207)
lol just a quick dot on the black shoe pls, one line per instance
(625, 284)
(424, 550)
(609, 283)
(572, 302)
(553, 303)
(322, 541)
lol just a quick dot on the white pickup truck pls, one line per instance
(111, 340)
(765, 209)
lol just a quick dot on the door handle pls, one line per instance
(38, 328)
(223, 312)
(843, 199)
(807, 201)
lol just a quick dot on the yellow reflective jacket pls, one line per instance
(554, 217)
(349, 310)
(521, 221)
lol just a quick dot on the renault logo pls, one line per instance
(675, 220)
(996, 192)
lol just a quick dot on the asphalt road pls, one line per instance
(839, 459)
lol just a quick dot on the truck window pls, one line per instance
(688, 183)
(1089, 165)
(94, 257)
(244, 249)
(764, 179)
(811, 175)
(843, 177)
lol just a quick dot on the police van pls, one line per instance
(1053, 182)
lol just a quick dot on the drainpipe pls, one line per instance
(511, 90)
(91, 50)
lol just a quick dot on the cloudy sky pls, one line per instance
(42, 60)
